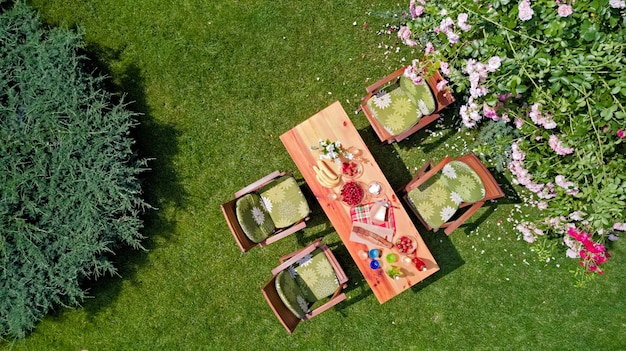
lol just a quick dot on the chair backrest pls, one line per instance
(229, 210)
(443, 98)
(289, 319)
(230, 214)
(492, 190)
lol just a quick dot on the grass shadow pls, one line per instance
(444, 252)
(161, 187)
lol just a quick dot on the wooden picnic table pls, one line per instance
(333, 123)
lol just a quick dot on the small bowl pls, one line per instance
(351, 187)
(374, 253)
(352, 166)
(375, 189)
(402, 245)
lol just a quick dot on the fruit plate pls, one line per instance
(405, 244)
(351, 169)
(352, 193)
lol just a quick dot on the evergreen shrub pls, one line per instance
(68, 173)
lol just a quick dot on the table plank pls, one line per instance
(334, 124)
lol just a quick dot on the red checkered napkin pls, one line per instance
(361, 214)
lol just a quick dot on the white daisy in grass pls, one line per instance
(422, 107)
(456, 197)
(304, 305)
(449, 171)
(382, 100)
(447, 212)
(267, 203)
(305, 261)
(258, 215)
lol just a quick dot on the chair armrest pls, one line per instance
(374, 87)
(282, 234)
(296, 256)
(452, 226)
(342, 278)
(258, 184)
(417, 181)
(428, 165)
(335, 300)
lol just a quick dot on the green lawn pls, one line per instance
(217, 82)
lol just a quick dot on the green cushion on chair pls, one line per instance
(463, 180)
(394, 110)
(254, 220)
(290, 294)
(420, 94)
(434, 201)
(316, 276)
(284, 201)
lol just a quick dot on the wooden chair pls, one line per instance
(447, 194)
(254, 218)
(291, 295)
(395, 84)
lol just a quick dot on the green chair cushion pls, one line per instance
(284, 201)
(434, 201)
(463, 180)
(316, 276)
(253, 218)
(394, 110)
(290, 294)
(420, 94)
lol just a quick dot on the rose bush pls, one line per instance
(551, 71)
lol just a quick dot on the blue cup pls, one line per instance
(374, 264)
(374, 253)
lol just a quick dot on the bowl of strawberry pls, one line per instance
(352, 193)
(351, 168)
(406, 244)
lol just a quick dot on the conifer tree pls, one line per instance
(70, 193)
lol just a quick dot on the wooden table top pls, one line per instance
(333, 123)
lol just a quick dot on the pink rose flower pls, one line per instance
(429, 48)
(557, 145)
(405, 35)
(525, 11)
(445, 68)
(462, 22)
(564, 10)
(493, 64)
(442, 84)
(620, 134)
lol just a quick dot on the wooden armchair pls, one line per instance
(305, 279)
(414, 106)
(447, 194)
(265, 211)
